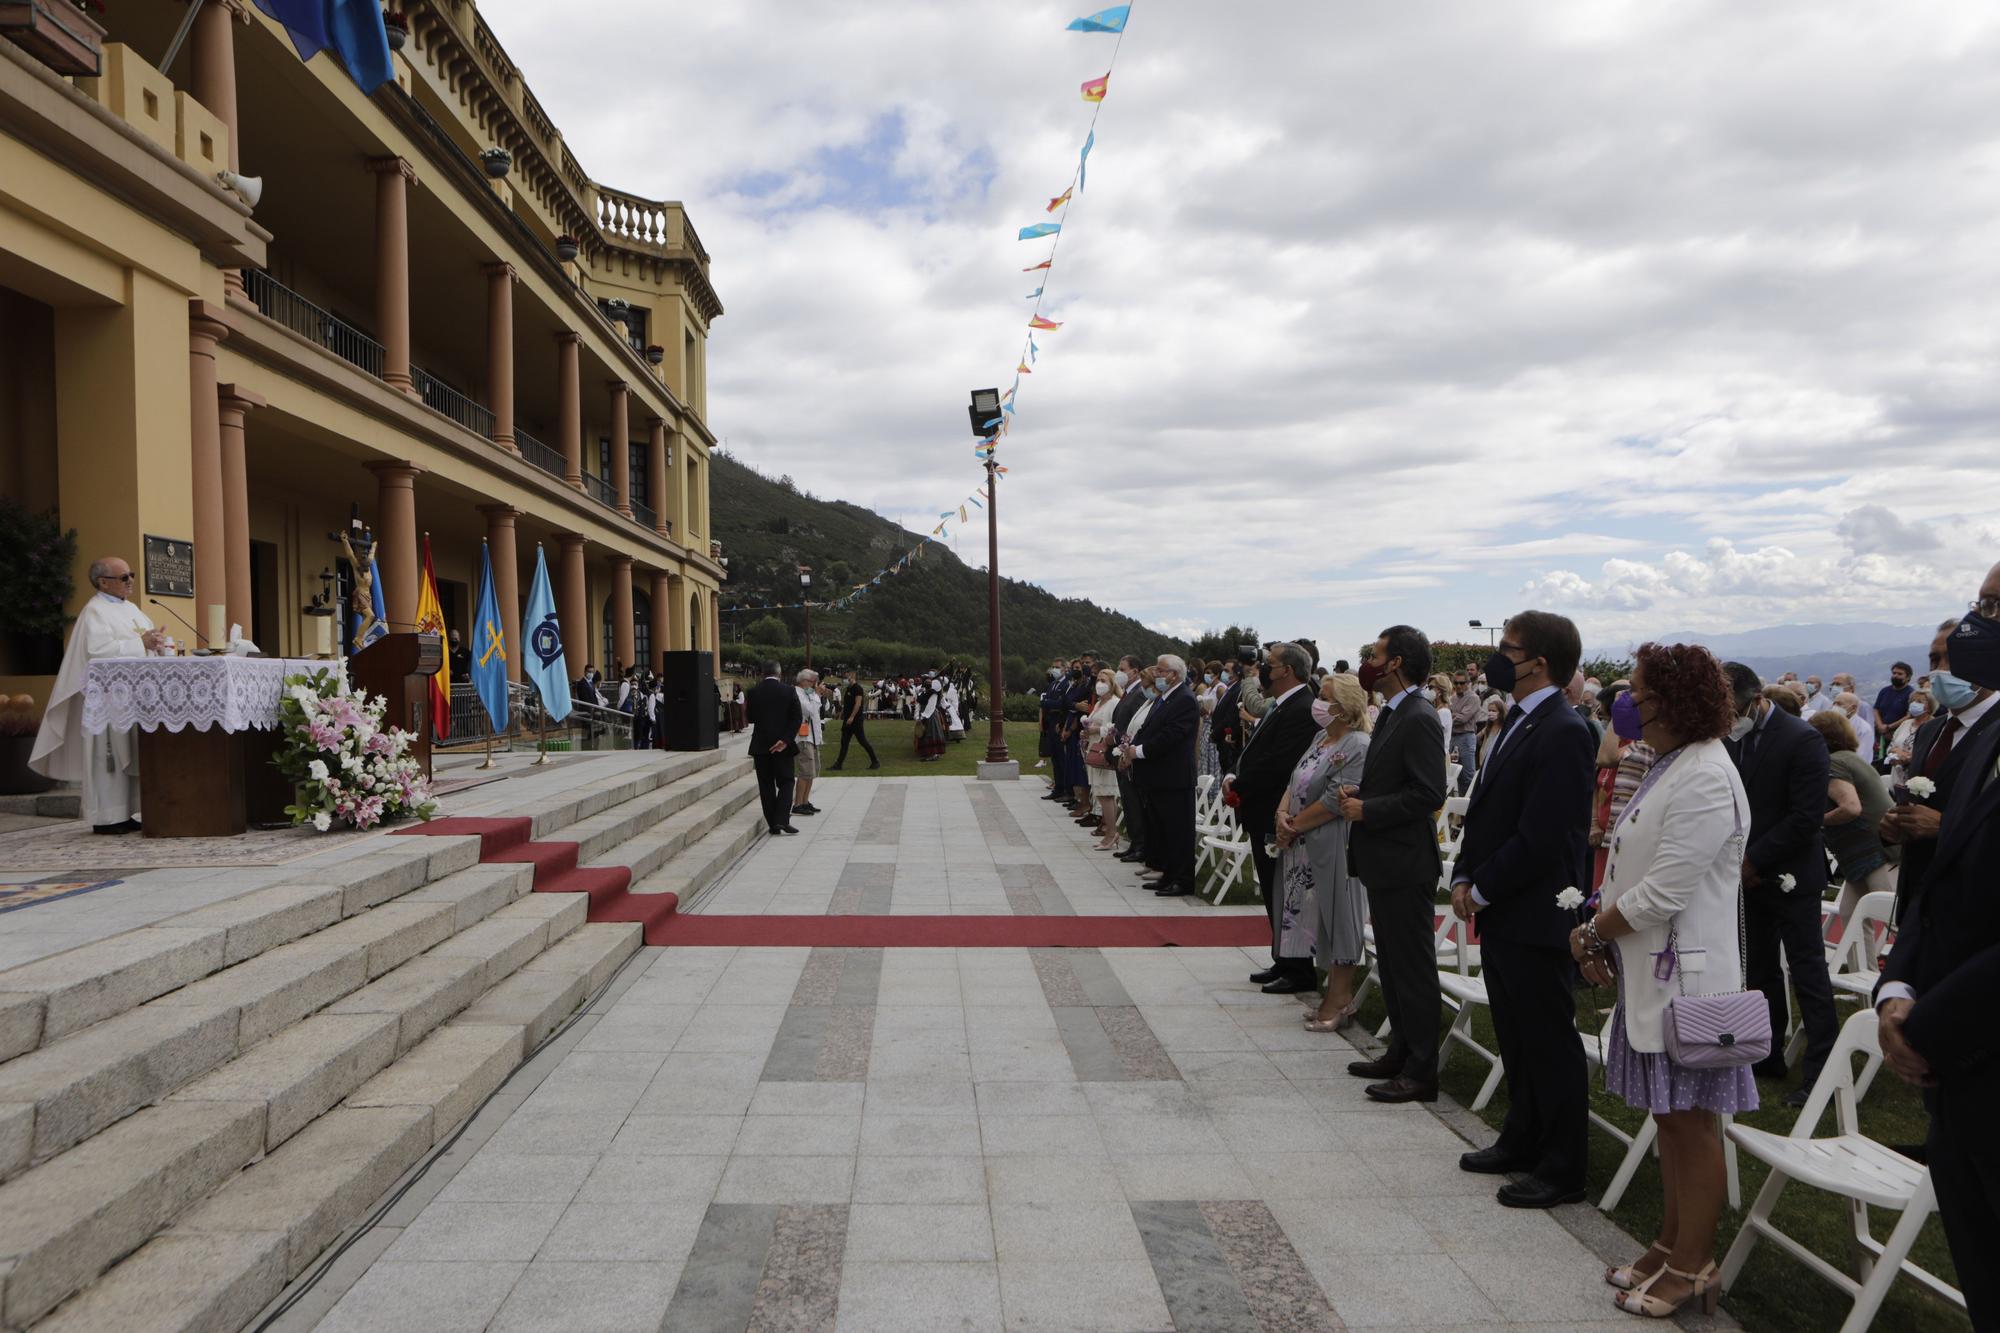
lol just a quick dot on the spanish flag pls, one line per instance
(430, 620)
(1061, 199)
(1094, 89)
(1023, 369)
(1040, 323)
(1035, 267)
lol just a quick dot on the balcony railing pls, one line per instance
(600, 490)
(285, 306)
(644, 513)
(443, 398)
(547, 459)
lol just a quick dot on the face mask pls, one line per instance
(1370, 676)
(1161, 686)
(1500, 671)
(1264, 677)
(1208, 679)
(1322, 713)
(1103, 688)
(1975, 650)
(1916, 710)
(1741, 727)
(1950, 692)
(1625, 720)
(1121, 678)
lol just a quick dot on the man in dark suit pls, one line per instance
(1162, 760)
(1393, 850)
(1937, 752)
(1225, 724)
(1526, 840)
(1263, 771)
(1784, 764)
(1941, 984)
(775, 717)
(1128, 796)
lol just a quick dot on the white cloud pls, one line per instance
(1367, 306)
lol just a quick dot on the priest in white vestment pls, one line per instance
(106, 766)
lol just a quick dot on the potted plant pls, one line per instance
(20, 719)
(566, 247)
(59, 33)
(39, 557)
(618, 310)
(397, 27)
(656, 353)
(497, 161)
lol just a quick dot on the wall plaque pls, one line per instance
(169, 567)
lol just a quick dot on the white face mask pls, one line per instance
(1103, 688)
(1122, 679)
(1741, 727)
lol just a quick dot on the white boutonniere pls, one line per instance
(1570, 898)
(1786, 883)
(1921, 788)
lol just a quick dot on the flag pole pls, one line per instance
(542, 741)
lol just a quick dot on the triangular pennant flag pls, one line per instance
(1094, 89)
(1039, 322)
(1032, 268)
(1089, 141)
(1023, 369)
(1033, 295)
(974, 503)
(1039, 230)
(1032, 349)
(961, 515)
(1104, 20)
(1060, 199)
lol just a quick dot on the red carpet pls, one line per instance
(556, 870)
(965, 932)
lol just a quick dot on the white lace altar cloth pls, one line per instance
(233, 693)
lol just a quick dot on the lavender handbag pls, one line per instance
(1716, 1031)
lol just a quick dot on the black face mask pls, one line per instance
(1264, 677)
(1975, 651)
(1500, 672)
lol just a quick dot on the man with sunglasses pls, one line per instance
(106, 766)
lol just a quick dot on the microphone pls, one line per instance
(203, 638)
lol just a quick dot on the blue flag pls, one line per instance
(1104, 20)
(1083, 162)
(352, 28)
(381, 626)
(1040, 229)
(489, 646)
(543, 663)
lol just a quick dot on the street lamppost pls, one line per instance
(805, 597)
(985, 407)
(1492, 632)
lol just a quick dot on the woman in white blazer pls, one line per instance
(1674, 874)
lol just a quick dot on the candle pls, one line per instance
(323, 645)
(218, 631)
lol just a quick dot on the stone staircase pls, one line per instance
(191, 1112)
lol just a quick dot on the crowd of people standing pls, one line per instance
(1670, 835)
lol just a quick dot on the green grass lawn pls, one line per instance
(895, 743)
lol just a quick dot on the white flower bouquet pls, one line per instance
(348, 767)
(1570, 898)
(1921, 788)
(1786, 883)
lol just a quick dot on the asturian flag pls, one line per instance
(543, 661)
(489, 646)
(430, 620)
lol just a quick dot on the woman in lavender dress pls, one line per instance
(1325, 908)
(1667, 926)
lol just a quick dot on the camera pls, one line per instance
(1249, 654)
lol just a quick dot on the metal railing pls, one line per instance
(547, 459)
(644, 514)
(443, 398)
(587, 727)
(282, 305)
(600, 490)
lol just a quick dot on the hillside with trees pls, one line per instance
(933, 611)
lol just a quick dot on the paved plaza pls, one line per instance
(916, 1138)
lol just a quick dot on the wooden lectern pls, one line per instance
(399, 667)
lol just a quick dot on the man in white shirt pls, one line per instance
(1817, 697)
(107, 765)
(810, 735)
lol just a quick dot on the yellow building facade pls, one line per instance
(432, 319)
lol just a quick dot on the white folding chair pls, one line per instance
(1861, 937)
(1232, 854)
(1853, 1166)
(1468, 993)
(1641, 1143)
(1445, 944)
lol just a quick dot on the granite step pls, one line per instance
(644, 850)
(228, 1257)
(695, 869)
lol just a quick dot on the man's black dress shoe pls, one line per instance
(1172, 891)
(804, 810)
(1380, 1068)
(1289, 985)
(1131, 856)
(1533, 1193)
(1799, 1096)
(1402, 1089)
(1268, 974)
(124, 826)
(1491, 1161)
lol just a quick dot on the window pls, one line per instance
(634, 317)
(637, 450)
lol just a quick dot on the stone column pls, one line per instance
(212, 53)
(392, 268)
(715, 633)
(677, 509)
(506, 584)
(500, 356)
(569, 407)
(663, 602)
(234, 403)
(623, 632)
(621, 449)
(572, 603)
(677, 612)
(657, 479)
(396, 552)
(211, 537)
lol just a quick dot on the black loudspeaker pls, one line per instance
(688, 701)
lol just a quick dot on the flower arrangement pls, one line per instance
(348, 767)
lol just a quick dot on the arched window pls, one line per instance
(694, 620)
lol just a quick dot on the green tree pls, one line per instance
(1219, 645)
(769, 630)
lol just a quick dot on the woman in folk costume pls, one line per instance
(954, 721)
(930, 723)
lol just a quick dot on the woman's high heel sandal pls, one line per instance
(1335, 1024)
(1705, 1287)
(1626, 1278)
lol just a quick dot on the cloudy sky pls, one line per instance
(1670, 317)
